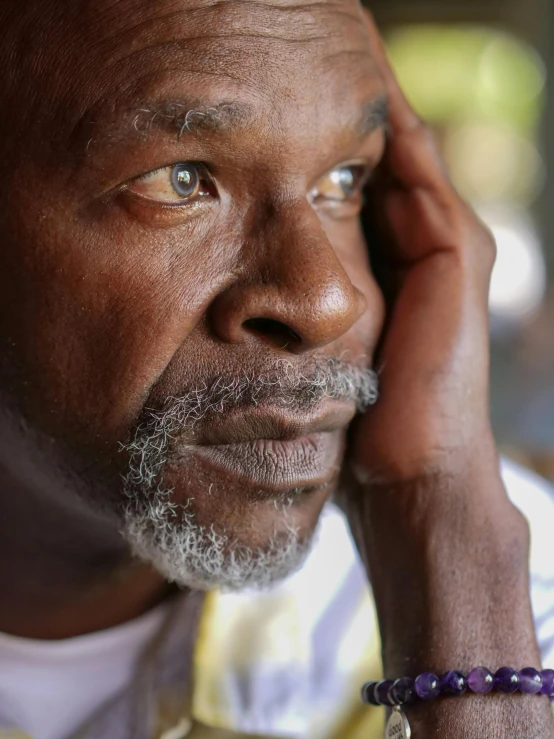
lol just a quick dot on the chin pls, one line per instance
(204, 529)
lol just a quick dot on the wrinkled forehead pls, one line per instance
(98, 53)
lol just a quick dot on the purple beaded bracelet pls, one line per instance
(397, 693)
(481, 680)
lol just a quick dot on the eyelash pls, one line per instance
(202, 184)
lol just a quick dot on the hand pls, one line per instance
(445, 550)
(433, 408)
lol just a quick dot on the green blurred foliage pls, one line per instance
(457, 73)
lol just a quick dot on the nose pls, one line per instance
(293, 292)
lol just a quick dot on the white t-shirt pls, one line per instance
(50, 688)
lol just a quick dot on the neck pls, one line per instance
(64, 573)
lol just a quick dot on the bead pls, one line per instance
(547, 683)
(382, 692)
(368, 694)
(506, 680)
(530, 681)
(402, 690)
(427, 686)
(453, 683)
(480, 680)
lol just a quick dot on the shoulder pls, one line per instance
(527, 490)
(534, 497)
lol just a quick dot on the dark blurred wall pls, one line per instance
(524, 18)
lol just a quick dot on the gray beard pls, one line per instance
(168, 535)
(194, 556)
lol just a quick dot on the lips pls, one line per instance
(275, 451)
(275, 424)
(306, 462)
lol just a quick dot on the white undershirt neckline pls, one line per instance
(49, 688)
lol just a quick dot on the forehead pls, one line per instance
(284, 55)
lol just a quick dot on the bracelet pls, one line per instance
(397, 693)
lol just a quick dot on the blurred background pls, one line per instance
(481, 72)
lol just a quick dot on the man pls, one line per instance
(189, 325)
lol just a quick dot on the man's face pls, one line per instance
(181, 259)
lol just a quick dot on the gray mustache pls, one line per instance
(284, 385)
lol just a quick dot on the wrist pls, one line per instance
(448, 565)
(467, 705)
(490, 716)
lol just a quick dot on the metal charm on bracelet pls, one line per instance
(395, 694)
(397, 725)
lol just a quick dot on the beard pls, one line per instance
(168, 534)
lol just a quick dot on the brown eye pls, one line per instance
(178, 184)
(341, 184)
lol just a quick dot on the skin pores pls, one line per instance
(115, 299)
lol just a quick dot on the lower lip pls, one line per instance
(309, 462)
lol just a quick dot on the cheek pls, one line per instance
(102, 310)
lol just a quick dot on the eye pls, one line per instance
(178, 184)
(340, 185)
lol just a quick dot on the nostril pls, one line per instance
(273, 331)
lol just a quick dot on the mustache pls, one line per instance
(299, 387)
(284, 385)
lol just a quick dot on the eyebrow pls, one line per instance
(191, 117)
(194, 118)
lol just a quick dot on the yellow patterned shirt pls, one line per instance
(289, 662)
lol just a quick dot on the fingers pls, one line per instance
(401, 115)
(434, 354)
(424, 214)
(412, 155)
